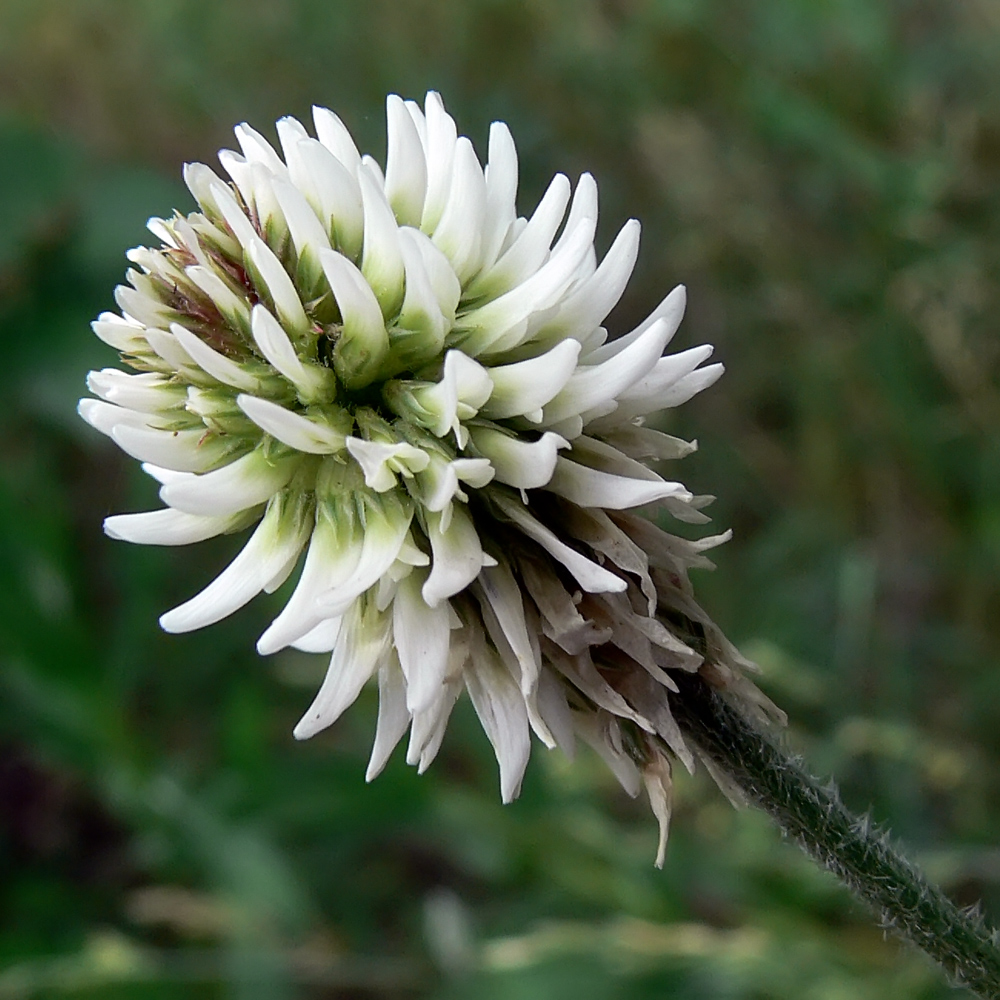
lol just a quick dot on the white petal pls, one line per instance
(405, 166)
(320, 639)
(248, 481)
(293, 429)
(363, 342)
(119, 333)
(309, 236)
(670, 310)
(457, 556)
(594, 384)
(645, 443)
(361, 645)
(234, 216)
(385, 531)
(465, 386)
(278, 539)
(584, 207)
(199, 179)
(501, 191)
(500, 325)
(591, 577)
(258, 150)
(680, 392)
(421, 636)
(497, 588)
(430, 741)
(313, 382)
(331, 560)
(333, 193)
(213, 363)
(459, 233)
(667, 371)
(584, 309)
(381, 257)
(445, 285)
(526, 465)
(167, 527)
(393, 717)
(165, 476)
(279, 286)
(500, 708)
(381, 461)
(590, 488)
(441, 139)
(477, 472)
(182, 451)
(421, 321)
(105, 417)
(233, 307)
(526, 386)
(336, 137)
(167, 346)
(530, 250)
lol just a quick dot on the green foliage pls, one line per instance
(822, 176)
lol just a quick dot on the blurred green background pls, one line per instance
(822, 174)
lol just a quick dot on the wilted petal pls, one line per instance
(589, 575)
(500, 707)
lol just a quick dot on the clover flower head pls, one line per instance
(406, 388)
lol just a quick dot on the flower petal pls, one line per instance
(278, 539)
(526, 465)
(405, 166)
(457, 555)
(213, 363)
(524, 387)
(168, 527)
(393, 716)
(592, 385)
(361, 645)
(421, 637)
(363, 342)
(500, 707)
(593, 578)
(314, 437)
(248, 481)
(381, 256)
(591, 488)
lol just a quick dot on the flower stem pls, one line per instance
(848, 845)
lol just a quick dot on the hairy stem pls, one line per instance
(848, 845)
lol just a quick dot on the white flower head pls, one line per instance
(407, 389)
